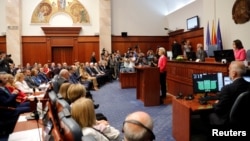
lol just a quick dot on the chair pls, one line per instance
(61, 104)
(248, 55)
(70, 129)
(238, 115)
(52, 98)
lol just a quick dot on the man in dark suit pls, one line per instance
(59, 79)
(229, 93)
(9, 108)
(176, 49)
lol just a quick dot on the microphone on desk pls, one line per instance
(36, 114)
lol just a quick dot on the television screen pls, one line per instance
(227, 79)
(193, 23)
(207, 82)
(169, 54)
(228, 55)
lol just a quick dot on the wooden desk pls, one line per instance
(179, 74)
(128, 80)
(182, 111)
(148, 85)
(27, 125)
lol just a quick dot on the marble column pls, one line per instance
(105, 25)
(14, 30)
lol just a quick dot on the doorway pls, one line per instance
(62, 54)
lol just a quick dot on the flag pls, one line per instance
(208, 41)
(213, 38)
(219, 39)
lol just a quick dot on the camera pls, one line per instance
(8, 55)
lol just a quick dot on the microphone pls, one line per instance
(36, 114)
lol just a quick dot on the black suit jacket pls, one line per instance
(7, 99)
(227, 97)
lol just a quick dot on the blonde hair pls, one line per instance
(63, 90)
(75, 91)
(162, 50)
(82, 110)
(10, 79)
(18, 76)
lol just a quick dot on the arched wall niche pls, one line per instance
(46, 9)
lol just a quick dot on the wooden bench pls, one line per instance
(127, 80)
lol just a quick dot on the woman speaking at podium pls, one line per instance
(162, 64)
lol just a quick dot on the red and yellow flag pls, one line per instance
(213, 38)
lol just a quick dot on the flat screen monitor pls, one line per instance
(227, 79)
(193, 23)
(207, 82)
(228, 55)
(191, 56)
(169, 54)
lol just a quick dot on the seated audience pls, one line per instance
(83, 112)
(138, 126)
(86, 76)
(21, 96)
(22, 85)
(63, 90)
(59, 79)
(74, 92)
(28, 79)
(9, 107)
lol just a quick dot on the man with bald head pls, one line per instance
(229, 93)
(138, 126)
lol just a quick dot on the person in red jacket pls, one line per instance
(162, 65)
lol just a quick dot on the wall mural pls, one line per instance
(48, 8)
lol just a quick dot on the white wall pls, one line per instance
(2, 15)
(209, 10)
(177, 19)
(139, 17)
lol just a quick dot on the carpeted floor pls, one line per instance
(116, 103)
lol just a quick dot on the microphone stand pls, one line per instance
(37, 117)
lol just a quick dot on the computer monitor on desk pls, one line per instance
(191, 56)
(207, 82)
(224, 56)
(227, 79)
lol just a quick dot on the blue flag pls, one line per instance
(219, 40)
(208, 42)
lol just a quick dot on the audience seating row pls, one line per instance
(65, 128)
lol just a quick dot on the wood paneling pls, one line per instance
(39, 48)
(128, 80)
(143, 42)
(3, 43)
(179, 74)
(195, 37)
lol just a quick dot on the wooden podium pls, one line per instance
(148, 85)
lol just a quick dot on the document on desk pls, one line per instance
(28, 135)
(37, 96)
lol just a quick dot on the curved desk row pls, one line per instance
(179, 74)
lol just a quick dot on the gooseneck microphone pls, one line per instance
(36, 114)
